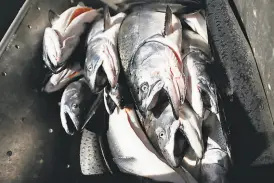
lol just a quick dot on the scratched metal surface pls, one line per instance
(247, 105)
(34, 147)
(257, 18)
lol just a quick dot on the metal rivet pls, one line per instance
(4, 74)
(38, 8)
(269, 86)
(17, 46)
(68, 166)
(255, 13)
(41, 161)
(9, 153)
(50, 130)
(29, 26)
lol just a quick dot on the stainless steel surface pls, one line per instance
(14, 25)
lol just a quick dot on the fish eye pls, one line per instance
(161, 134)
(144, 88)
(90, 67)
(74, 106)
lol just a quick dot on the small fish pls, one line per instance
(173, 137)
(201, 90)
(61, 39)
(76, 102)
(102, 62)
(60, 80)
(149, 44)
(133, 153)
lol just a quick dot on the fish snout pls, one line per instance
(152, 98)
(174, 98)
(176, 145)
(111, 64)
(70, 123)
(95, 75)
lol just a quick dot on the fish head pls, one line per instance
(75, 104)
(60, 80)
(57, 50)
(165, 135)
(101, 65)
(150, 77)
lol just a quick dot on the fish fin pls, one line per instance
(93, 109)
(168, 21)
(69, 41)
(52, 16)
(81, 4)
(107, 19)
(109, 103)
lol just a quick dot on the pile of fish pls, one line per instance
(150, 69)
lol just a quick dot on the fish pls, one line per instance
(149, 45)
(102, 64)
(178, 6)
(58, 81)
(132, 151)
(201, 90)
(174, 137)
(63, 36)
(76, 104)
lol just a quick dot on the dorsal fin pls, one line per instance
(52, 16)
(106, 18)
(81, 4)
(168, 21)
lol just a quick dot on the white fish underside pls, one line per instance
(134, 154)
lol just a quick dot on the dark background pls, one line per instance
(26, 114)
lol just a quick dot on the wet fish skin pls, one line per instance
(75, 105)
(172, 137)
(58, 81)
(151, 59)
(132, 151)
(61, 39)
(216, 161)
(197, 63)
(102, 64)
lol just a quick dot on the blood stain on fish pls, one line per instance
(78, 12)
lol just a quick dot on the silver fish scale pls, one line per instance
(136, 28)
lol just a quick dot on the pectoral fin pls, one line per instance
(52, 16)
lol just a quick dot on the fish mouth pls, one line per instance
(176, 147)
(69, 123)
(190, 125)
(97, 78)
(55, 69)
(159, 94)
(101, 76)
